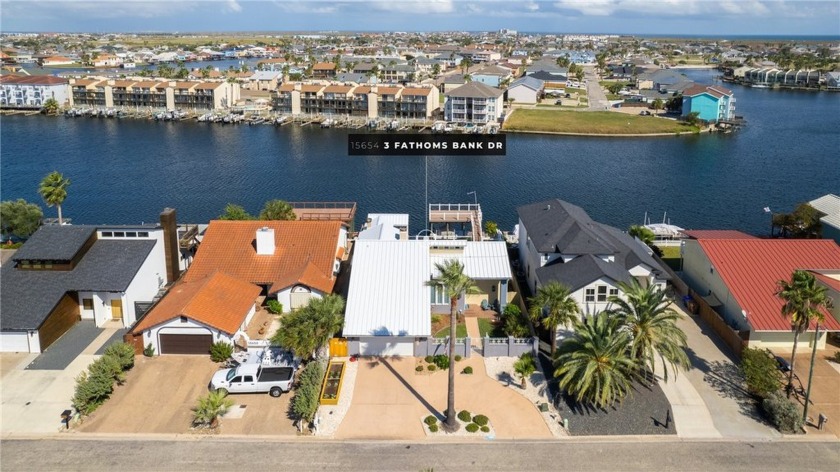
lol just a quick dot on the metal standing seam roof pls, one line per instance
(529, 82)
(751, 268)
(717, 234)
(830, 205)
(483, 260)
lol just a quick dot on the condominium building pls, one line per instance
(31, 91)
(184, 95)
(473, 103)
(313, 98)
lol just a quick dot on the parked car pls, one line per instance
(254, 378)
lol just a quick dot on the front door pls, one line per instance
(116, 309)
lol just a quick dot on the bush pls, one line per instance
(433, 428)
(514, 323)
(485, 429)
(464, 416)
(274, 307)
(432, 368)
(220, 351)
(761, 372)
(441, 361)
(429, 359)
(472, 428)
(149, 351)
(782, 412)
(210, 407)
(467, 370)
(419, 368)
(430, 420)
(436, 319)
(305, 402)
(123, 353)
(481, 420)
(458, 358)
(836, 357)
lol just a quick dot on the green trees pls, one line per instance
(644, 234)
(644, 314)
(803, 222)
(525, 366)
(593, 365)
(210, 407)
(53, 189)
(456, 283)
(657, 105)
(220, 351)
(235, 212)
(761, 372)
(466, 63)
(491, 229)
(306, 330)
(95, 385)
(514, 323)
(50, 106)
(804, 303)
(693, 118)
(552, 306)
(305, 401)
(277, 210)
(614, 88)
(19, 218)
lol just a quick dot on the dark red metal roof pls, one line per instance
(751, 268)
(717, 234)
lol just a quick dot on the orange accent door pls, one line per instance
(116, 309)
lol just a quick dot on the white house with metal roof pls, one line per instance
(389, 302)
(526, 89)
(829, 206)
(385, 227)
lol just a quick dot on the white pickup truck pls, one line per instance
(254, 378)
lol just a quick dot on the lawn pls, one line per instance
(670, 252)
(487, 328)
(460, 331)
(598, 122)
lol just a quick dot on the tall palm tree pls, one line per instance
(456, 283)
(644, 313)
(53, 190)
(593, 365)
(552, 306)
(804, 302)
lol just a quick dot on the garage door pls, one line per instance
(14, 342)
(387, 346)
(185, 343)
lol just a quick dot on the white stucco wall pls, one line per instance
(20, 341)
(284, 297)
(522, 94)
(700, 275)
(784, 340)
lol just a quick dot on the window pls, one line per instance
(143, 234)
(613, 292)
(183, 319)
(590, 295)
(87, 304)
(119, 234)
(248, 378)
(602, 293)
(236, 379)
(439, 295)
(131, 234)
(107, 234)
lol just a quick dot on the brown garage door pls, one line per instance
(185, 343)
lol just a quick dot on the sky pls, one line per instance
(639, 17)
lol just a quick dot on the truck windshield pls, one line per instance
(230, 374)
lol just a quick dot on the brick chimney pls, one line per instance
(171, 248)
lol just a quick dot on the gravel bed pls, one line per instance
(462, 431)
(501, 369)
(331, 416)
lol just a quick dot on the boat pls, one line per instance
(759, 86)
(394, 125)
(327, 123)
(438, 126)
(448, 128)
(280, 120)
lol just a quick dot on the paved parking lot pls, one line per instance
(159, 395)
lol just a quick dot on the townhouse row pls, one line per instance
(183, 95)
(295, 98)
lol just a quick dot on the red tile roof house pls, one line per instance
(237, 261)
(737, 275)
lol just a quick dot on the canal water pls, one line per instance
(126, 171)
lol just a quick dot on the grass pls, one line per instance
(487, 328)
(596, 122)
(670, 252)
(460, 331)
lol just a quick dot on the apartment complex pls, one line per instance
(31, 91)
(184, 95)
(474, 103)
(312, 98)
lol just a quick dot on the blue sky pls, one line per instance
(693, 17)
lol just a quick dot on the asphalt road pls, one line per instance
(207, 453)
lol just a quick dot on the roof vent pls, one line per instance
(548, 207)
(265, 241)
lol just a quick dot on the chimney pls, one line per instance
(265, 241)
(171, 248)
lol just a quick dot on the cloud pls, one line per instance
(96, 9)
(532, 6)
(415, 6)
(233, 6)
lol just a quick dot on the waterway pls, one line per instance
(126, 171)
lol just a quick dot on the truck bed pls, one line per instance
(276, 374)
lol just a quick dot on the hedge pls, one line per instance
(95, 385)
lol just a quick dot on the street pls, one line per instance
(83, 453)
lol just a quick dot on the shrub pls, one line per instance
(514, 323)
(220, 351)
(836, 357)
(464, 416)
(458, 358)
(467, 370)
(430, 420)
(485, 429)
(472, 428)
(432, 368)
(149, 351)
(107, 367)
(305, 401)
(429, 359)
(419, 368)
(274, 307)
(441, 361)
(123, 353)
(480, 420)
(761, 372)
(782, 412)
(210, 407)
(433, 428)
(436, 319)
(91, 392)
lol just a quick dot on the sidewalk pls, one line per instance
(472, 330)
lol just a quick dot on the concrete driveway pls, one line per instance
(390, 399)
(825, 385)
(159, 395)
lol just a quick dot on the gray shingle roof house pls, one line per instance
(475, 90)
(558, 241)
(66, 273)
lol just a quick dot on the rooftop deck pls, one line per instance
(326, 211)
(446, 213)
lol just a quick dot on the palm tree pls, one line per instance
(210, 407)
(593, 365)
(644, 313)
(552, 306)
(456, 283)
(306, 330)
(277, 210)
(804, 302)
(53, 190)
(524, 367)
